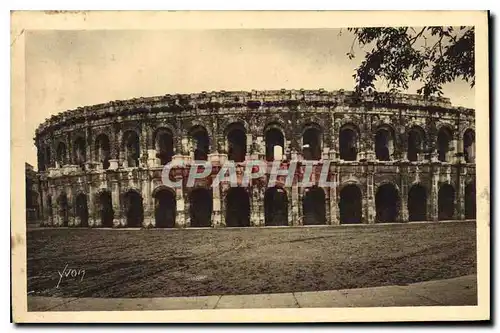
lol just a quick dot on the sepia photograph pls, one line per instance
(191, 163)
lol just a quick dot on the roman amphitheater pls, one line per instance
(393, 158)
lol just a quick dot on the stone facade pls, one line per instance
(394, 158)
(32, 194)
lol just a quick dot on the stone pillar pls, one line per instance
(148, 204)
(119, 219)
(369, 208)
(260, 148)
(249, 146)
(257, 213)
(91, 205)
(460, 199)
(71, 206)
(433, 202)
(295, 213)
(187, 207)
(334, 207)
(404, 192)
(180, 216)
(216, 207)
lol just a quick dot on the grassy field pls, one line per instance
(156, 263)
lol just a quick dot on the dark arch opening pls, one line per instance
(350, 205)
(383, 144)
(237, 142)
(469, 146)
(102, 151)
(63, 208)
(417, 203)
(200, 208)
(311, 140)
(47, 158)
(274, 137)
(164, 146)
(132, 149)
(444, 142)
(61, 154)
(446, 202)
(201, 143)
(313, 206)
(470, 201)
(348, 143)
(387, 203)
(275, 207)
(105, 209)
(134, 210)
(79, 152)
(49, 206)
(415, 143)
(165, 208)
(81, 209)
(237, 207)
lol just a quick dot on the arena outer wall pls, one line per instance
(394, 158)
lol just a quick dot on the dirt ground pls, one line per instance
(184, 262)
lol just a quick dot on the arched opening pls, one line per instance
(387, 203)
(61, 154)
(469, 146)
(313, 206)
(415, 143)
(164, 145)
(311, 144)
(348, 143)
(133, 208)
(201, 143)
(102, 150)
(237, 207)
(275, 144)
(49, 206)
(47, 158)
(237, 142)
(62, 202)
(417, 203)
(165, 208)
(275, 207)
(384, 144)
(132, 148)
(446, 202)
(470, 201)
(200, 209)
(350, 205)
(79, 152)
(81, 209)
(105, 209)
(444, 144)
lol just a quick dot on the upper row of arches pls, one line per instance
(417, 144)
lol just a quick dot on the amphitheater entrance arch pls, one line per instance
(200, 142)
(348, 143)
(237, 207)
(469, 146)
(105, 209)
(237, 142)
(164, 144)
(132, 149)
(79, 152)
(446, 202)
(311, 144)
(470, 201)
(415, 143)
(133, 208)
(81, 209)
(313, 206)
(275, 207)
(62, 202)
(61, 154)
(384, 144)
(274, 141)
(350, 205)
(102, 150)
(387, 203)
(200, 207)
(444, 144)
(417, 203)
(165, 208)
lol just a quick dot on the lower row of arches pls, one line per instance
(238, 207)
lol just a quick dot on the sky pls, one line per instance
(66, 69)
